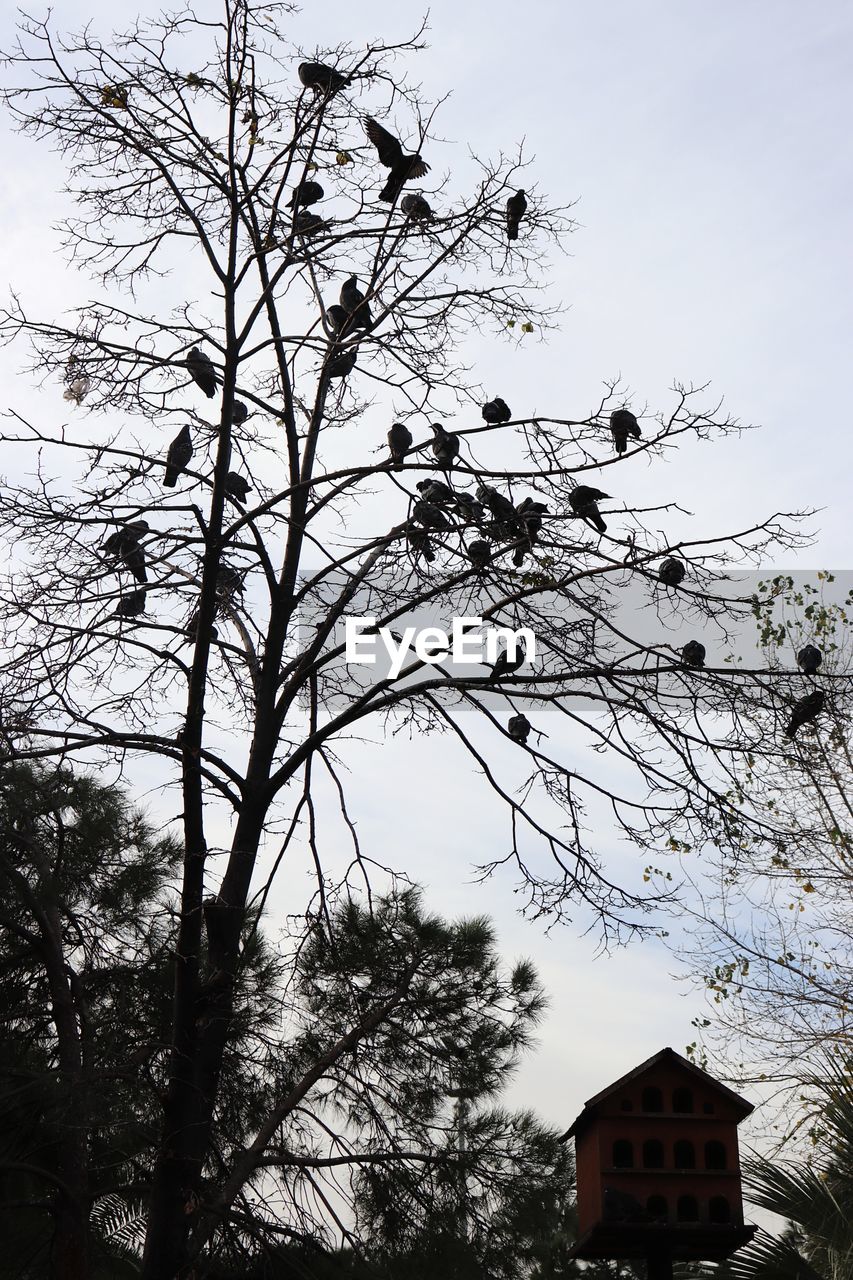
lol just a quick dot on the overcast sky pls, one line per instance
(708, 148)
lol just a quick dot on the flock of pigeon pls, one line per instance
(494, 515)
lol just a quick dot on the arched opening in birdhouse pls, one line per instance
(652, 1098)
(682, 1101)
(715, 1155)
(719, 1209)
(687, 1209)
(685, 1154)
(657, 1208)
(652, 1154)
(623, 1154)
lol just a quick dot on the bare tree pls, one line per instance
(201, 624)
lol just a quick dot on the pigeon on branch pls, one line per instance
(341, 365)
(506, 666)
(322, 78)
(622, 425)
(130, 606)
(416, 208)
(400, 442)
(178, 457)
(307, 192)
(809, 659)
(355, 304)
(519, 727)
(805, 710)
(445, 446)
(693, 654)
(672, 571)
(584, 501)
(404, 168)
(497, 410)
(421, 544)
(201, 371)
(479, 553)
(516, 207)
(435, 491)
(237, 486)
(239, 413)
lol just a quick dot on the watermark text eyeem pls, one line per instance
(468, 643)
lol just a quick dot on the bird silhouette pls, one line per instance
(130, 606)
(239, 413)
(467, 506)
(497, 410)
(124, 544)
(404, 168)
(177, 459)
(506, 666)
(499, 505)
(809, 659)
(229, 581)
(519, 727)
(584, 500)
(622, 425)
(355, 304)
(416, 208)
(479, 553)
(421, 544)
(341, 365)
(306, 223)
(435, 491)
(307, 192)
(445, 446)
(400, 441)
(693, 654)
(201, 371)
(429, 515)
(531, 513)
(516, 207)
(322, 78)
(237, 486)
(805, 710)
(671, 572)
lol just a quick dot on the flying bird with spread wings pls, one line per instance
(404, 167)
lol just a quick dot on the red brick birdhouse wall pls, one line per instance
(658, 1172)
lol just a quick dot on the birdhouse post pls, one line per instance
(658, 1172)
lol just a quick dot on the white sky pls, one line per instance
(708, 145)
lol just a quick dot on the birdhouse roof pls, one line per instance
(664, 1056)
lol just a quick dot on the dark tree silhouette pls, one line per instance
(184, 140)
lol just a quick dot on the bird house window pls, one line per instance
(685, 1155)
(623, 1154)
(682, 1101)
(652, 1098)
(657, 1208)
(719, 1209)
(715, 1155)
(688, 1209)
(652, 1154)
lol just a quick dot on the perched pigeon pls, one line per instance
(77, 389)
(479, 553)
(308, 192)
(805, 710)
(445, 446)
(307, 223)
(177, 459)
(506, 666)
(416, 208)
(429, 515)
(809, 659)
(321, 78)
(584, 500)
(421, 544)
(354, 303)
(468, 506)
(435, 491)
(693, 654)
(516, 207)
(404, 168)
(239, 413)
(400, 441)
(237, 486)
(497, 410)
(124, 544)
(201, 371)
(519, 727)
(623, 424)
(130, 606)
(341, 365)
(229, 581)
(500, 506)
(672, 571)
(531, 513)
(338, 318)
